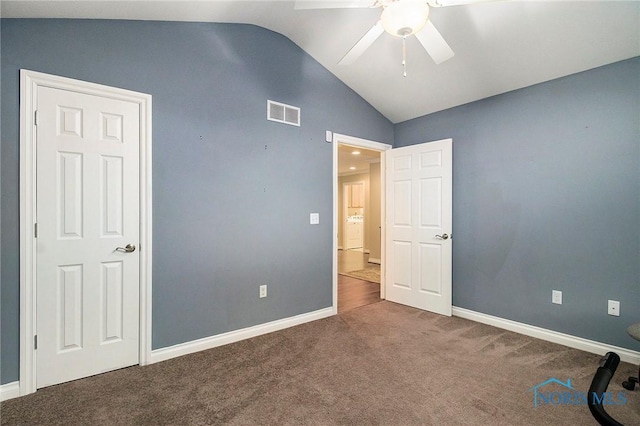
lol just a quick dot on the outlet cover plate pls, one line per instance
(613, 308)
(556, 297)
(263, 291)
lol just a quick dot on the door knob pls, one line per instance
(129, 248)
(443, 237)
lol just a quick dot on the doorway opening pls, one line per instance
(358, 222)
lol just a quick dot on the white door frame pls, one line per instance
(376, 146)
(30, 81)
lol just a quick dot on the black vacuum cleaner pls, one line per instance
(598, 387)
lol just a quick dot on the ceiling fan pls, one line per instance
(400, 18)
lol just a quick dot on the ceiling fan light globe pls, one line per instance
(404, 17)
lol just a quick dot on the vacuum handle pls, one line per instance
(598, 387)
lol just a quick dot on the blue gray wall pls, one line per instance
(232, 191)
(546, 195)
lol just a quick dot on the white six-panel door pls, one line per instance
(419, 226)
(87, 190)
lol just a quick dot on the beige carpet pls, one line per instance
(370, 273)
(381, 364)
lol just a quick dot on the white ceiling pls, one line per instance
(350, 163)
(499, 46)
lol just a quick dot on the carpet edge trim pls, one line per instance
(575, 342)
(205, 343)
(9, 391)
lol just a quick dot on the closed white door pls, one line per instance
(87, 311)
(419, 226)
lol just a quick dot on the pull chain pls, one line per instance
(404, 55)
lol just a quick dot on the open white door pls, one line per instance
(419, 226)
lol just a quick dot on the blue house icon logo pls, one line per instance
(570, 396)
(548, 397)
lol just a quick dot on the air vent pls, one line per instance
(283, 113)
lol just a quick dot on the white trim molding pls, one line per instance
(9, 391)
(626, 355)
(374, 260)
(30, 81)
(236, 336)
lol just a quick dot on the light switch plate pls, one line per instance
(314, 218)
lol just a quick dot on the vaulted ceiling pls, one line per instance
(499, 45)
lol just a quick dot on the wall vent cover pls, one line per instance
(283, 113)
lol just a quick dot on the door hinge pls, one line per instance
(35, 230)
(35, 342)
(35, 117)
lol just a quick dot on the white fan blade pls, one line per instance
(434, 43)
(445, 3)
(332, 4)
(362, 44)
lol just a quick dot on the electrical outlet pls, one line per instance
(263, 291)
(613, 308)
(556, 297)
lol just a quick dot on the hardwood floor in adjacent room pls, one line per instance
(351, 260)
(353, 292)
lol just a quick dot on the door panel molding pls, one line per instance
(30, 81)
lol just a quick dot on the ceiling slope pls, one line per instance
(499, 46)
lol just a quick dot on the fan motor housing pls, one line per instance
(404, 18)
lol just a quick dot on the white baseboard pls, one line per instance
(575, 342)
(9, 391)
(374, 260)
(366, 251)
(339, 247)
(186, 348)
